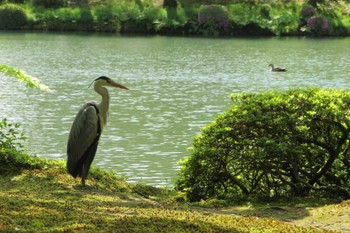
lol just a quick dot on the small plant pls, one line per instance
(213, 19)
(10, 137)
(12, 17)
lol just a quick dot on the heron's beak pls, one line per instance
(119, 85)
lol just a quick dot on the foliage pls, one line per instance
(13, 161)
(317, 25)
(11, 147)
(65, 19)
(10, 137)
(285, 21)
(213, 19)
(12, 157)
(337, 16)
(325, 20)
(12, 16)
(292, 143)
(146, 19)
(106, 19)
(86, 20)
(21, 76)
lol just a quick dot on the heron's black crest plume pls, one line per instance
(102, 77)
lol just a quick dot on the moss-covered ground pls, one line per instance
(44, 198)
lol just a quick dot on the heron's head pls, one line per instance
(271, 65)
(105, 81)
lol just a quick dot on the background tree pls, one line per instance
(292, 143)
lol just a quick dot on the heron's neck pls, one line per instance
(103, 105)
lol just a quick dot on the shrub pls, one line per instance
(317, 25)
(10, 137)
(63, 19)
(86, 21)
(142, 20)
(284, 20)
(213, 19)
(292, 143)
(12, 16)
(106, 19)
(265, 11)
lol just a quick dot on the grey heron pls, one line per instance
(86, 130)
(277, 68)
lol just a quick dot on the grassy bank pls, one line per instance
(332, 18)
(38, 195)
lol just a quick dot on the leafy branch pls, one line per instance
(21, 76)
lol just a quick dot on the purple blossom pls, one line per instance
(325, 24)
(317, 24)
(213, 17)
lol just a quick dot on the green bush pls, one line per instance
(12, 16)
(292, 143)
(86, 21)
(285, 20)
(10, 137)
(62, 19)
(106, 19)
(145, 19)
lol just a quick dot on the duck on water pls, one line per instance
(277, 68)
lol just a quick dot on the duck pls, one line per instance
(277, 68)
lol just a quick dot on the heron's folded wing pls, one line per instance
(83, 133)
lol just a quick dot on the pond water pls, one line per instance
(177, 85)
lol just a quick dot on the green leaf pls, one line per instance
(21, 76)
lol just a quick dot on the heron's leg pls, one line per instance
(83, 175)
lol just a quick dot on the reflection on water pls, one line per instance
(177, 85)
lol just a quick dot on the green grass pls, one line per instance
(38, 195)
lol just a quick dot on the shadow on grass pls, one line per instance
(283, 210)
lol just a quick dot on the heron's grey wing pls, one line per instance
(83, 133)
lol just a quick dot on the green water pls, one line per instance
(177, 85)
